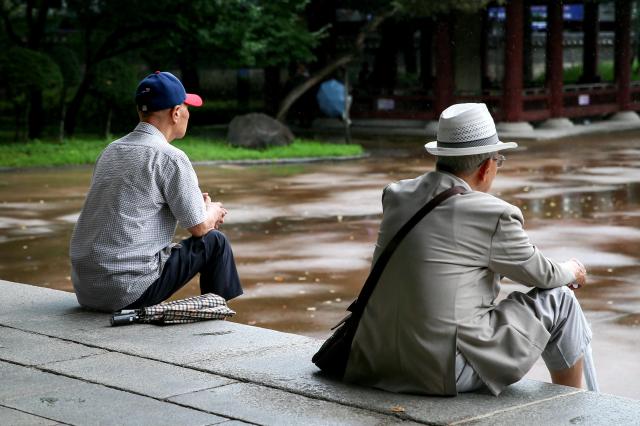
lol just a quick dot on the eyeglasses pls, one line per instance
(499, 159)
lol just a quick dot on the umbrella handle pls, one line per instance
(124, 317)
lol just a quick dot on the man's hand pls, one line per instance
(216, 212)
(215, 217)
(214, 209)
(579, 272)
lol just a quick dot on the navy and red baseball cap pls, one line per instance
(163, 90)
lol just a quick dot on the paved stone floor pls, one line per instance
(60, 364)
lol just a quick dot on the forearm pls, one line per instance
(513, 255)
(215, 217)
(202, 228)
(536, 271)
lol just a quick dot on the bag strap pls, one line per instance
(358, 305)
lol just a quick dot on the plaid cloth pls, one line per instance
(198, 308)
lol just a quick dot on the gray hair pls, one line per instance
(463, 164)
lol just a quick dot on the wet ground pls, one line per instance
(303, 234)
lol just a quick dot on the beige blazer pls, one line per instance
(438, 293)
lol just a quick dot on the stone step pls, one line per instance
(60, 363)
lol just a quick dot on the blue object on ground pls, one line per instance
(330, 98)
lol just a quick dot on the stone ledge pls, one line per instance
(55, 354)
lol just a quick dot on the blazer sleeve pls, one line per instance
(514, 256)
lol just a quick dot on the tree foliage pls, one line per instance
(28, 24)
(86, 36)
(277, 35)
(115, 81)
(24, 69)
(245, 33)
(186, 34)
(68, 64)
(73, 49)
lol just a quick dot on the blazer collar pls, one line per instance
(449, 180)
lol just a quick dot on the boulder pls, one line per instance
(258, 131)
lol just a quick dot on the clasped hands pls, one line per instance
(214, 209)
(579, 272)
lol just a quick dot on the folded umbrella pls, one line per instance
(198, 308)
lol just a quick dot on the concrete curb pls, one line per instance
(281, 160)
(507, 131)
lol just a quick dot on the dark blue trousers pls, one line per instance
(210, 255)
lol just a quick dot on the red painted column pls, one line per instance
(590, 29)
(554, 58)
(623, 53)
(444, 84)
(513, 62)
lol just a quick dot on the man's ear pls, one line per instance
(483, 170)
(175, 114)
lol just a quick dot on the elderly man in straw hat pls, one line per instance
(142, 187)
(432, 324)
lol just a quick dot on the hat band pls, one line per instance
(491, 140)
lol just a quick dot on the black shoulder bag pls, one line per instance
(333, 355)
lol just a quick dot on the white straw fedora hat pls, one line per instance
(466, 129)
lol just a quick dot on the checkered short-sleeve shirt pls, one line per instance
(141, 188)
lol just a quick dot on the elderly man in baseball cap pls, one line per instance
(121, 250)
(433, 325)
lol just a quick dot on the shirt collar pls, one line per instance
(150, 129)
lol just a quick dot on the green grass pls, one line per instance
(85, 151)
(572, 74)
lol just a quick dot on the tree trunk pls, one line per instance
(107, 127)
(347, 105)
(63, 112)
(18, 112)
(75, 104)
(272, 89)
(317, 76)
(25, 129)
(36, 115)
(36, 29)
(61, 124)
